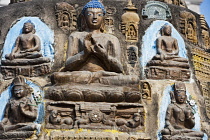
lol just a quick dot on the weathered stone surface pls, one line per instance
(92, 100)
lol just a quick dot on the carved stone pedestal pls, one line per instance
(180, 138)
(93, 135)
(91, 93)
(16, 135)
(33, 70)
(155, 72)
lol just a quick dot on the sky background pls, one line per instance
(205, 10)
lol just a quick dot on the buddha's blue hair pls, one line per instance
(94, 4)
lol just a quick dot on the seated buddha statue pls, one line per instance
(27, 48)
(93, 56)
(21, 111)
(167, 51)
(180, 119)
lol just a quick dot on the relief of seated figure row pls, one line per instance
(92, 56)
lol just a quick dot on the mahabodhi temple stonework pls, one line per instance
(104, 70)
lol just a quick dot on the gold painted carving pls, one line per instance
(201, 60)
(130, 22)
(205, 33)
(66, 16)
(188, 26)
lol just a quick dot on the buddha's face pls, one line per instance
(19, 91)
(28, 27)
(94, 17)
(167, 30)
(180, 97)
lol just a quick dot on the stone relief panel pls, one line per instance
(27, 49)
(89, 94)
(201, 62)
(205, 33)
(146, 90)
(182, 120)
(109, 20)
(188, 26)
(22, 114)
(166, 59)
(175, 2)
(66, 16)
(132, 55)
(60, 116)
(69, 115)
(156, 10)
(130, 22)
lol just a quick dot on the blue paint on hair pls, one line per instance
(94, 4)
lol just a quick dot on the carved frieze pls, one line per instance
(9, 72)
(175, 2)
(109, 20)
(130, 22)
(124, 117)
(60, 116)
(66, 16)
(146, 90)
(188, 26)
(90, 94)
(156, 10)
(201, 62)
(205, 33)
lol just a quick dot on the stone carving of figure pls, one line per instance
(89, 50)
(92, 53)
(179, 117)
(167, 51)
(21, 110)
(27, 44)
(26, 52)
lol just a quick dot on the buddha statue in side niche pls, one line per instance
(167, 51)
(93, 56)
(20, 111)
(179, 117)
(27, 48)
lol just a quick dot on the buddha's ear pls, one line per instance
(173, 100)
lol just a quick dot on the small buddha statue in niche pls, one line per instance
(167, 51)
(27, 45)
(179, 116)
(27, 48)
(92, 55)
(21, 110)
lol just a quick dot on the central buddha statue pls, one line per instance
(92, 55)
